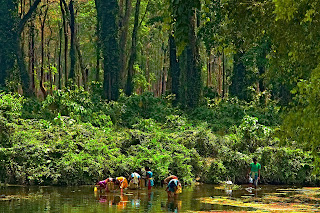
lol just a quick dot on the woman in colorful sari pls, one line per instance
(174, 186)
(122, 182)
(134, 180)
(107, 184)
(149, 175)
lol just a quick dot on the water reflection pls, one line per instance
(173, 205)
(83, 199)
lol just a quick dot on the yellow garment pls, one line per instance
(179, 189)
(123, 182)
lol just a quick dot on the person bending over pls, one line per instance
(107, 184)
(173, 187)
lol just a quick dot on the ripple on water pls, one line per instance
(202, 198)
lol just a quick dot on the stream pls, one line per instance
(202, 198)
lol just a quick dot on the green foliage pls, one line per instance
(10, 106)
(222, 114)
(140, 81)
(72, 140)
(131, 109)
(182, 12)
(301, 123)
(216, 172)
(285, 165)
(252, 135)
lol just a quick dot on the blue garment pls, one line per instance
(135, 175)
(149, 177)
(173, 184)
(151, 181)
(149, 174)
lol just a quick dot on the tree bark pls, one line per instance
(31, 53)
(25, 78)
(84, 70)
(27, 16)
(65, 27)
(98, 50)
(43, 89)
(133, 53)
(50, 77)
(239, 84)
(194, 83)
(72, 43)
(223, 75)
(59, 60)
(174, 68)
(123, 40)
(107, 12)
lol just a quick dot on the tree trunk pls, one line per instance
(133, 53)
(48, 56)
(25, 78)
(83, 69)
(7, 39)
(219, 76)
(174, 68)
(43, 89)
(59, 60)
(72, 43)
(123, 41)
(194, 82)
(10, 37)
(98, 52)
(107, 13)
(239, 85)
(31, 53)
(223, 75)
(65, 27)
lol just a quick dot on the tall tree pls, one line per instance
(63, 8)
(107, 11)
(184, 14)
(8, 18)
(72, 42)
(59, 58)
(42, 28)
(133, 52)
(11, 29)
(239, 81)
(124, 25)
(174, 68)
(32, 52)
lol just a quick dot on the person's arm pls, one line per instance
(249, 170)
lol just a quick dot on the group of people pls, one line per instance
(173, 184)
(135, 181)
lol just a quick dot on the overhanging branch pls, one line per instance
(27, 16)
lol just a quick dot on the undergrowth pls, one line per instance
(74, 137)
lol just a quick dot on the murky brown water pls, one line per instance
(83, 199)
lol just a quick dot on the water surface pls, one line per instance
(83, 199)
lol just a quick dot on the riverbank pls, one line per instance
(74, 138)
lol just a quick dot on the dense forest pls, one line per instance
(98, 88)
